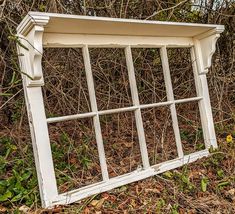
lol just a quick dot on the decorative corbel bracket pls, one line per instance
(31, 35)
(205, 46)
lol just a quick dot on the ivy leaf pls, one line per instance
(17, 197)
(5, 196)
(168, 174)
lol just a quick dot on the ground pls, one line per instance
(205, 186)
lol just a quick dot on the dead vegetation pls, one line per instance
(203, 187)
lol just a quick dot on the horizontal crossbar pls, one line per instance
(51, 40)
(119, 110)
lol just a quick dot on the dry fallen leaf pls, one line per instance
(24, 209)
(100, 203)
(128, 144)
(97, 203)
(133, 203)
(86, 210)
(231, 194)
(105, 195)
(94, 202)
(152, 190)
(2, 209)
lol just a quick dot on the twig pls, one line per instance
(10, 98)
(169, 8)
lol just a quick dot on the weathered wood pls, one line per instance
(137, 175)
(39, 131)
(96, 120)
(136, 102)
(38, 30)
(170, 97)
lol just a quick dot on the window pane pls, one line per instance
(121, 143)
(181, 72)
(65, 91)
(190, 127)
(110, 78)
(159, 134)
(149, 75)
(75, 154)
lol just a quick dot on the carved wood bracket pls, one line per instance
(205, 45)
(31, 37)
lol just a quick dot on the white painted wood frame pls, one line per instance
(38, 30)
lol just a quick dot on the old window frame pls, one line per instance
(38, 30)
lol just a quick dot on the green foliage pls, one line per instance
(215, 159)
(17, 109)
(182, 178)
(16, 39)
(85, 161)
(204, 184)
(191, 137)
(220, 173)
(200, 146)
(15, 188)
(184, 135)
(223, 184)
(17, 183)
(71, 157)
(174, 209)
(168, 175)
(160, 204)
(42, 7)
(6, 94)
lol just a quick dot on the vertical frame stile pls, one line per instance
(96, 120)
(170, 97)
(39, 133)
(203, 91)
(137, 112)
(199, 93)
